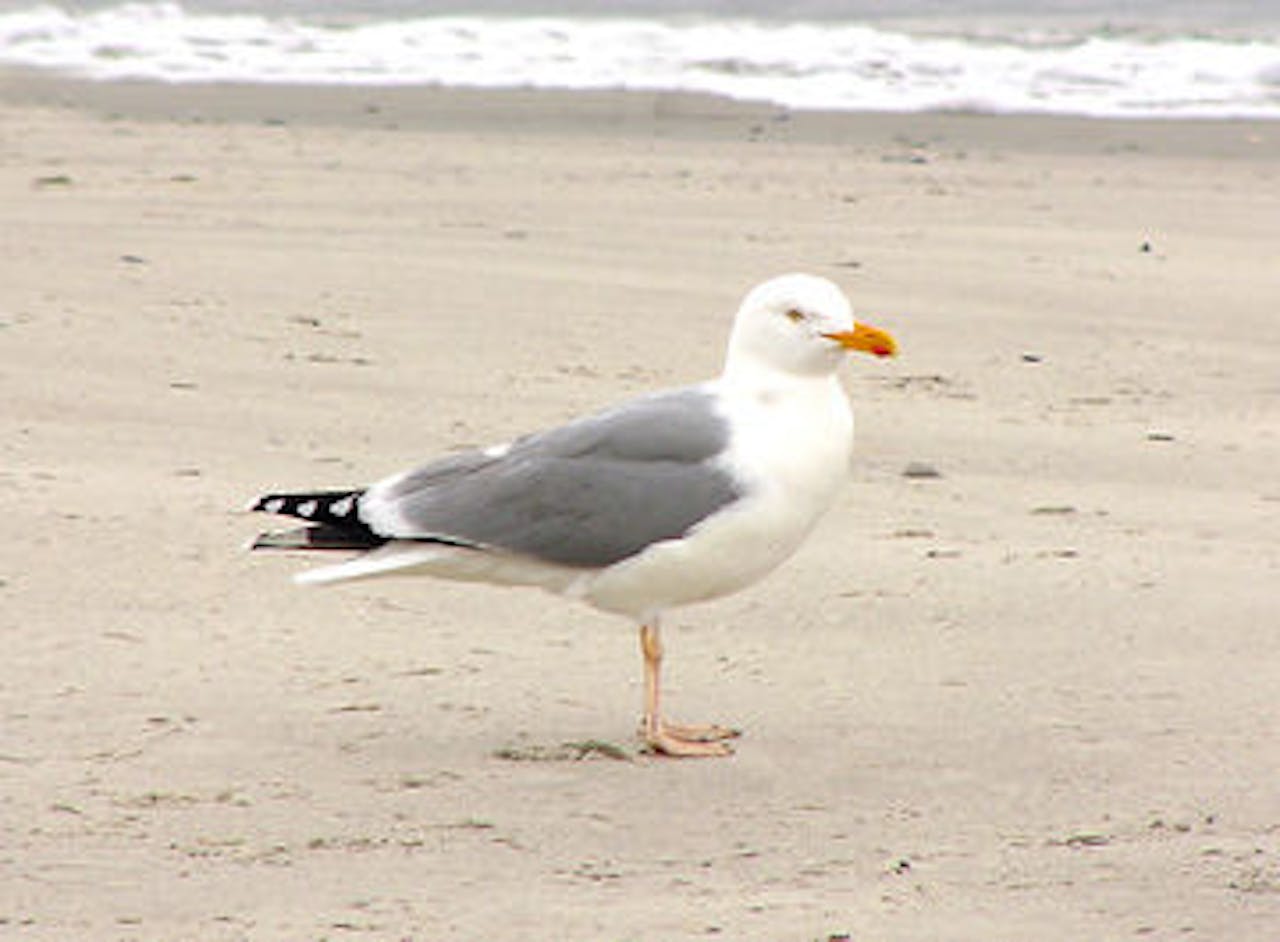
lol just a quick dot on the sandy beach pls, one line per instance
(1027, 691)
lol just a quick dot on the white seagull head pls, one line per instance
(800, 324)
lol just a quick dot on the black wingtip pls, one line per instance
(320, 537)
(338, 507)
(334, 516)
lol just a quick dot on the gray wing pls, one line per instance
(587, 494)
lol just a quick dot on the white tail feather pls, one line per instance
(384, 561)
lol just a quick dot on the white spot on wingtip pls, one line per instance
(273, 506)
(307, 508)
(340, 508)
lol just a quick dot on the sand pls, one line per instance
(1032, 696)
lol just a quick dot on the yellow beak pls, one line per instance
(866, 339)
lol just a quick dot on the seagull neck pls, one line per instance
(749, 375)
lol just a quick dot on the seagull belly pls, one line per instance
(726, 553)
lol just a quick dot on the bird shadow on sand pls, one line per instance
(577, 751)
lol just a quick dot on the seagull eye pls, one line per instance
(795, 316)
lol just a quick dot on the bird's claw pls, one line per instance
(679, 741)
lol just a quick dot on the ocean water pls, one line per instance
(1137, 59)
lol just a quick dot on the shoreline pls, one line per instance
(676, 115)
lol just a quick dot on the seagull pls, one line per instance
(667, 499)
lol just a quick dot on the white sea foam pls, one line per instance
(798, 65)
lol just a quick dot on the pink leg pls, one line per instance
(667, 738)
